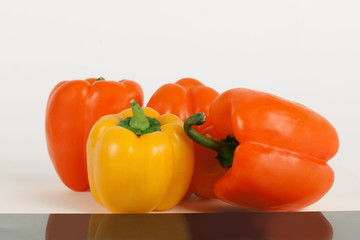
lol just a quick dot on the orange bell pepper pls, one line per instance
(273, 153)
(183, 98)
(72, 108)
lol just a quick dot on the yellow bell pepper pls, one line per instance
(139, 161)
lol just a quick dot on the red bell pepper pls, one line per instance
(273, 153)
(183, 98)
(72, 108)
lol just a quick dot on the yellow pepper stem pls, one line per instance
(139, 123)
(139, 120)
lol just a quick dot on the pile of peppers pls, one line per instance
(248, 148)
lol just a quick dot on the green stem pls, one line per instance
(100, 79)
(139, 123)
(225, 147)
(139, 120)
(199, 119)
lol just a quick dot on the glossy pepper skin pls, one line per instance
(207, 169)
(280, 163)
(72, 108)
(183, 98)
(139, 173)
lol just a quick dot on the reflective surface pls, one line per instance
(226, 225)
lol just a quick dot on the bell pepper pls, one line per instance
(183, 98)
(272, 153)
(72, 108)
(139, 161)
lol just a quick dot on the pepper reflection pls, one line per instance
(117, 226)
(260, 225)
(228, 225)
(138, 226)
(67, 226)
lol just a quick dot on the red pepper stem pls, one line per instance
(225, 148)
(199, 119)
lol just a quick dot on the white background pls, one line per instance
(306, 51)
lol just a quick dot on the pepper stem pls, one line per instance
(100, 79)
(225, 147)
(199, 119)
(139, 120)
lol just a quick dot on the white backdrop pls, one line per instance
(303, 50)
